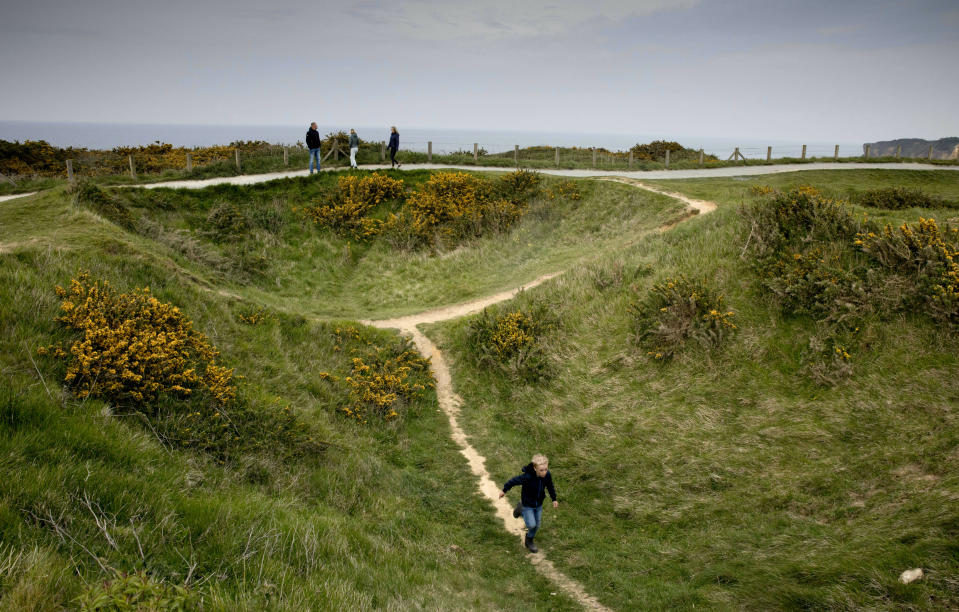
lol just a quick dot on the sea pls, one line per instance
(444, 140)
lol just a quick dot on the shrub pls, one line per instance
(678, 310)
(798, 216)
(656, 151)
(346, 210)
(89, 196)
(133, 347)
(519, 186)
(382, 381)
(816, 283)
(453, 206)
(927, 253)
(897, 198)
(565, 190)
(136, 591)
(826, 359)
(225, 222)
(514, 342)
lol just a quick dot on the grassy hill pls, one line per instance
(380, 515)
(729, 478)
(722, 478)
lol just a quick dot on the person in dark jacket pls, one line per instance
(536, 480)
(313, 144)
(394, 146)
(354, 147)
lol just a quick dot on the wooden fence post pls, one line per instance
(594, 156)
(867, 152)
(835, 154)
(667, 159)
(803, 152)
(556, 154)
(769, 153)
(930, 151)
(898, 151)
(133, 172)
(70, 170)
(630, 158)
(382, 150)
(429, 151)
(286, 156)
(189, 161)
(336, 151)
(516, 155)
(237, 152)
(475, 152)
(700, 157)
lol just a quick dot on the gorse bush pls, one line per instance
(225, 222)
(346, 210)
(382, 380)
(514, 342)
(564, 190)
(897, 198)
(927, 253)
(454, 206)
(136, 592)
(131, 347)
(679, 310)
(520, 186)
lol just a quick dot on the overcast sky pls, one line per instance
(834, 70)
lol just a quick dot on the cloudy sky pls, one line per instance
(832, 70)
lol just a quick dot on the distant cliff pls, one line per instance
(944, 148)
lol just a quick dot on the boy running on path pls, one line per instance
(536, 481)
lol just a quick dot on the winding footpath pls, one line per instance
(449, 401)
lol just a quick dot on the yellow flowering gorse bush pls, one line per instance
(514, 342)
(133, 347)
(353, 198)
(381, 381)
(677, 310)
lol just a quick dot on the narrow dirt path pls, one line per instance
(450, 402)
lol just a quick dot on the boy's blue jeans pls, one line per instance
(315, 155)
(532, 517)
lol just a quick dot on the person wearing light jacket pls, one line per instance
(354, 147)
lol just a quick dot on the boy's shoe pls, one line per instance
(531, 545)
(518, 510)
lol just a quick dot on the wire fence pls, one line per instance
(202, 162)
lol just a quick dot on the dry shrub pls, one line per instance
(678, 310)
(131, 347)
(826, 359)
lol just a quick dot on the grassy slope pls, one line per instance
(726, 480)
(369, 524)
(314, 272)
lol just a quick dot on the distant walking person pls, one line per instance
(536, 480)
(313, 144)
(394, 146)
(354, 147)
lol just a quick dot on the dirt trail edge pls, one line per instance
(450, 402)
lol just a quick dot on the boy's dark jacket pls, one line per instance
(394, 141)
(534, 487)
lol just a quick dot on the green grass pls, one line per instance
(727, 480)
(720, 480)
(385, 518)
(314, 272)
